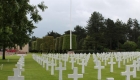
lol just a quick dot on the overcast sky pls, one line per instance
(57, 16)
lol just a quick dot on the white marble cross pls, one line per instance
(52, 67)
(47, 64)
(60, 68)
(134, 66)
(111, 64)
(83, 65)
(119, 60)
(7, 60)
(21, 64)
(124, 59)
(75, 74)
(43, 62)
(19, 67)
(65, 60)
(110, 79)
(138, 62)
(1, 67)
(17, 72)
(99, 67)
(72, 62)
(77, 57)
(15, 78)
(127, 73)
(105, 59)
(138, 65)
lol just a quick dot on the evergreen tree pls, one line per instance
(94, 27)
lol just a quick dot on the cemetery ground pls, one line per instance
(34, 71)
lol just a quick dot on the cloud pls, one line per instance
(57, 16)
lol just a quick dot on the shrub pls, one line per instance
(130, 46)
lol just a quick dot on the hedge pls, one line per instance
(48, 43)
(60, 43)
(57, 43)
(66, 42)
(39, 41)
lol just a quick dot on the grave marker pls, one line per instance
(72, 62)
(52, 67)
(83, 65)
(15, 78)
(60, 68)
(75, 74)
(110, 79)
(99, 67)
(1, 67)
(134, 65)
(127, 73)
(111, 64)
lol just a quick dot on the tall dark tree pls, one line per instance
(133, 30)
(80, 32)
(110, 33)
(121, 31)
(94, 27)
(136, 30)
(129, 29)
(15, 26)
(68, 32)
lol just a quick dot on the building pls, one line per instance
(24, 49)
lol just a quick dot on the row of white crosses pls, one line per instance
(84, 59)
(17, 70)
(135, 66)
(127, 73)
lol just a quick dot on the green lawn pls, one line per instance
(34, 71)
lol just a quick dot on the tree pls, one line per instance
(94, 27)
(80, 33)
(88, 43)
(110, 33)
(54, 34)
(121, 31)
(14, 20)
(68, 32)
(136, 30)
(129, 29)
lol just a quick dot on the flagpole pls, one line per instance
(70, 27)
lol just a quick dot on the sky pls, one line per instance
(57, 16)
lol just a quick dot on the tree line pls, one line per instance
(100, 35)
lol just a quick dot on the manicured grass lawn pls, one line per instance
(34, 71)
(8, 66)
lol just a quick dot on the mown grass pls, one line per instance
(34, 71)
